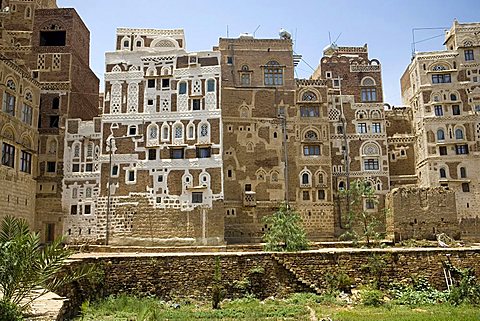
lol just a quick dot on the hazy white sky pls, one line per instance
(385, 25)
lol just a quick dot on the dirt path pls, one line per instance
(313, 316)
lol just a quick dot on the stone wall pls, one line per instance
(173, 276)
(421, 213)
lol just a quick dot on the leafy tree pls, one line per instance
(360, 192)
(285, 231)
(26, 266)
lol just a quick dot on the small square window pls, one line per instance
(51, 167)
(443, 150)
(152, 154)
(177, 153)
(150, 102)
(306, 195)
(88, 167)
(132, 130)
(197, 197)
(196, 104)
(248, 187)
(165, 83)
(465, 187)
(204, 152)
(160, 178)
(87, 209)
(321, 194)
(369, 204)
(73, 210)
(75, 168)
(151, 83)
(229, 60)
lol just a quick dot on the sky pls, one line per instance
(385, 25)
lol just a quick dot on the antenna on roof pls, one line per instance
(415, 42)
(256, 31)
(335, 42)
(227, 31)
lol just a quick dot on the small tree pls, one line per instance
(360, 193)
(285, 232)
(26, 266)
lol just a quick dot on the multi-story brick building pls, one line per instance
(442, 88)
(358, 136)
(69, 89)
(161, 155)
(18, 138)
(275, 139)
(20, 110)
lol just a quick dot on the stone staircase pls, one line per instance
(297, 273)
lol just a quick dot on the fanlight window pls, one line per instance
(11, 85)
(311, 135)
(309, 96)
(367, 81)
(371, 149)
(28, 96)
(439, 68)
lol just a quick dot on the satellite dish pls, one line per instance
(284, 34)
(6, 9)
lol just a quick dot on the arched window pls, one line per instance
(453, 97)
(90, 150)
(191, 131)
(341, 185)
(458, 133)
(305, 179)
(463, 172)
(153, 132)
(340, 129)
(76, 151)
(443, 173)
(440, 134)
(273, 74)
(309, 96)
(165, 132)
(321, 178)
(210, 85)
(182, 88)
(311, 135)
(368, 92)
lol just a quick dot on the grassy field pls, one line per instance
(297, 307)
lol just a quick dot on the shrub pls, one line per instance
(338, 282)
(9, 311)
(372, 297)
(285, 232)
(466, 290)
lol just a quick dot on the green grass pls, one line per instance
(125, 308)
(439, 312)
